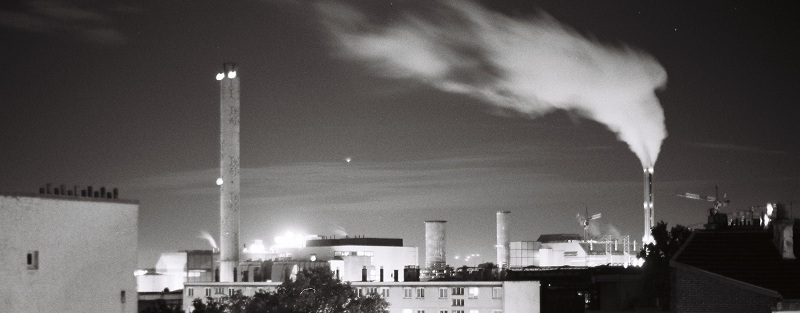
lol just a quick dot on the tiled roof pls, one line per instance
(749, 257)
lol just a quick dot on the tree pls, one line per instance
(655, 276)
(313, 290)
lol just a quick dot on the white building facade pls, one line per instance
(411, 297)
(67, 254)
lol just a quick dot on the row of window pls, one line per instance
(446, 311)
(473, 292)
(353, 253)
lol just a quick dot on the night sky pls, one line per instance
(122, 94)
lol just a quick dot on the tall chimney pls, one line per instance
(229, 172)
(502, 239)
(435, 257)
(648, 205)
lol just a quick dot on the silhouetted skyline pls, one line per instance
(124, 95)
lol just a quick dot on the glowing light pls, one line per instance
(232, 74)
(769, 209)
(220, 76)
(650, 170)
(139, 272)
(256, 247)
(348, 159)
(290, 240)
(313, 257)
(219, 181)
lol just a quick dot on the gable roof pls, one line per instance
(747, 257)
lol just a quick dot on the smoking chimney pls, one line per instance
(648, 205)
(502, 239)
(229, 171)
(435, 257)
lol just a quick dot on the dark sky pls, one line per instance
(123, 95)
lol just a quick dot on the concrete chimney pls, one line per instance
(503, 244)
(229, 172)
(648, 205)
(435, 257)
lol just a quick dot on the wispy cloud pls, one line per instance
(733, 147)
(94, 24)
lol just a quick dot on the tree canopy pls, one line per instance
(655, 276)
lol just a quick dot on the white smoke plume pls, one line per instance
(532, 66)
(207, 236)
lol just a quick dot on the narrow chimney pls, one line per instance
(503, 243)
(229, 171)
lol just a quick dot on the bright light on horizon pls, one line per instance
(220, 76)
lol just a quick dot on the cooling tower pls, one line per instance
(229, 172)
(435, 244)
(648, 205)
(502, 239)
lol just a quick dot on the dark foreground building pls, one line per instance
(737, 271)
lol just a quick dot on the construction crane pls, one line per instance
(718, 203)
(584, 220)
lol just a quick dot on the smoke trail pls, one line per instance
(207, 236)
(532, 66)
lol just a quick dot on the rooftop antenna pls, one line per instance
(584, 221)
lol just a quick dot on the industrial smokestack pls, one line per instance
(502, 239)
(229, 172)
(435, 257)
(648, 205)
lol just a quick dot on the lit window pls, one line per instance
(190, 292)
(407, 293)
(33, 260)
(458, 302)
(473, 292)
(458, 291)
(497, 292)
(442, 292)
(420, 292)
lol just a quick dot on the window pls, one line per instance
(420, 292)
(372, 290)
(219, 290)
(230, 291)
(497, 292)
(458, 291)
(473, 292)
(407, 293)
(458, 302)
(190, 292)
(385, 292)
(33, 260)
(208, 292)
(442, 311)
(458, 311)
(360, 292)
(420, 311)
(442, 292)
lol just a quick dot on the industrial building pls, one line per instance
(410, 297)
(572, 250)
(62, 252)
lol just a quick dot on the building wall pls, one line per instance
(491, 297)
(86, 254)
(697, 293)
(532, 253)
(390, 258)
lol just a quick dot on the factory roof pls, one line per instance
(749, 259)
(558, 238)
(355, 241)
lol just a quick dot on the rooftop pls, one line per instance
(748, 257)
